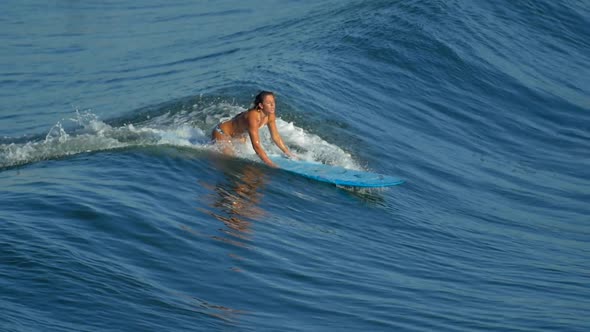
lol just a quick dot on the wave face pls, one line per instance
(117, 212)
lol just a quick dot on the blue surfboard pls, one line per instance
(336, 174)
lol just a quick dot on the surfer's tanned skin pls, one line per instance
(250, 121)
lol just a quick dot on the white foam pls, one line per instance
(312, 147)
(177, 129)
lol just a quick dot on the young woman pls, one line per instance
(250, 121)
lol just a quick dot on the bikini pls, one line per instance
(219, 130)
(218, 126)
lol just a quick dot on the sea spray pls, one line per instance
(86, 133)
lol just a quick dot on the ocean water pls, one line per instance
(116, 214)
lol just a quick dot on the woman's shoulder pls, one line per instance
(246, 112)
(248, 115)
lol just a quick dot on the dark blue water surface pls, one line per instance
(117, 215)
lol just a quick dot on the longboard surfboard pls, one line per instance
(336, 174)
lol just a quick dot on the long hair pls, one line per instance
(260, 97)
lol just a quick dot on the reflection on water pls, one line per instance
(235, 201)
(201, 306)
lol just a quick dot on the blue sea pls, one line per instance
(117, 214)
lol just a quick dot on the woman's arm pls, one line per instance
(276, 138)
(253, 125)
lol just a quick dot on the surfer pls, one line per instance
(250, 121)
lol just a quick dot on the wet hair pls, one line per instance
(260, 97)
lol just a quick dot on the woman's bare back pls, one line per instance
(239, 124)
